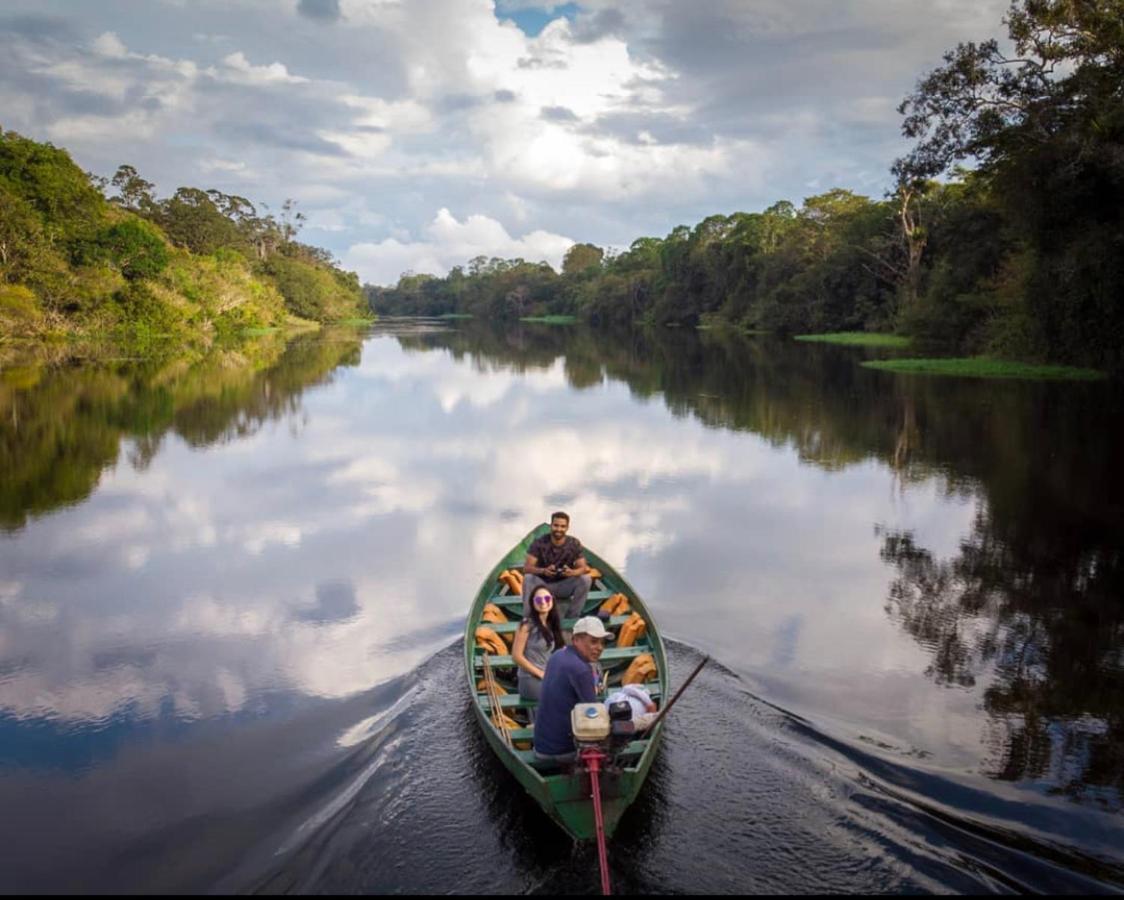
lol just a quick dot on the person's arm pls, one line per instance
(580, 566)
(518, 650)
(531, 565)
(583, 684)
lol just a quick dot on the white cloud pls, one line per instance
(449, 243)
(109, 44)
(599, 132)
(274, 73)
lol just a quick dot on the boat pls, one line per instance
(565, 796)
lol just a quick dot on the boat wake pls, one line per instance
(743, 797)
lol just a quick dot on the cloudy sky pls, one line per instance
(416, 134)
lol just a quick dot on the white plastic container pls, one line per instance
(590, 722)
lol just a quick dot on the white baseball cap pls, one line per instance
(592, 626)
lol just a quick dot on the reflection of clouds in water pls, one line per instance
(317, 564)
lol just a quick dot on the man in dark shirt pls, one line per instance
(570, 679)
(556, 561)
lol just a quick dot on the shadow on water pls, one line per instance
(743, 797)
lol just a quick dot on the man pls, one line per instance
(571, 678)
(557, 561)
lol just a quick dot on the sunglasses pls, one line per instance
(542, 599)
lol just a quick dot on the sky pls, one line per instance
(417, 134)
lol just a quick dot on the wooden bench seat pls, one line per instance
(567, 624)
(610, 655)
(515, 601)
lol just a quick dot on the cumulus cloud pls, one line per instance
(449, 243)
(619, 118)
(274, 73)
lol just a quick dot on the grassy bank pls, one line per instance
(857, 339)
(550, 320)
(984, 367)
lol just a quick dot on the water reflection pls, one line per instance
(217, 550)
(63, 425)
(1026, 614)
(1044, 634)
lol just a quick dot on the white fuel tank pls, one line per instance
(590, 722)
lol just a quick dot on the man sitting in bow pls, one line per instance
(556, 560)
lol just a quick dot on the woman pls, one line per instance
(537, 636)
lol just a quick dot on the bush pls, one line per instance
(20, 313)
(145, 312)
(133, 246)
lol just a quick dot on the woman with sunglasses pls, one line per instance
(538, 635)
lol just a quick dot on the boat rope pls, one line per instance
(593, 757)
(498, 718)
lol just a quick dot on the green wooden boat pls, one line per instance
(564, 796)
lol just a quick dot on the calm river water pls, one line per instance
(232, 587)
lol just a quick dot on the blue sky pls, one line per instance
(417, 134)
(532, 21)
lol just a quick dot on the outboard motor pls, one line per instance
(621, 727)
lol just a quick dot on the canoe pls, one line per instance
(565, 797)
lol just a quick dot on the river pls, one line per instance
(233, 585)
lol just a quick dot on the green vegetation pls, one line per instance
(984, 367)
(1019, 259)
(857, 338)
(550, 320)
(196, 265)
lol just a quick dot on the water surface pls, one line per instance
(230, 585)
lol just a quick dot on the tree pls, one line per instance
(1046, 125)
(582, 258)
(192, 220)
(134, 193)
(134, 247)
(1067, 69)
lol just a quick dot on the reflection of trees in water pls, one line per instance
(1046, 633)
(61, 426)
(1031, 606)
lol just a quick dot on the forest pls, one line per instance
(130, 266)
(1003, 234)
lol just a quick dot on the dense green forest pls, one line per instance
(73, 262)
(1004, 233)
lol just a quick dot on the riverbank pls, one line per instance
(78, 264)
(985, 367)
(856, 339)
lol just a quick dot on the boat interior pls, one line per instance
(518, 719)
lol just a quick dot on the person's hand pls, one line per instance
(565, 570)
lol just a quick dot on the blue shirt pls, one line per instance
(569, 680)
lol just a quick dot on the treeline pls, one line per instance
(1021, 257)
(76, 261)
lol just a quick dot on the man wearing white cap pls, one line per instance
(570, 679)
